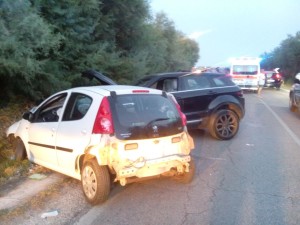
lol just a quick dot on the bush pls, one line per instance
(9, 114)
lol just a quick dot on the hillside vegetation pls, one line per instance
(286, 57)
(46, 44)
(8, 166)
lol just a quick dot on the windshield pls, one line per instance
(245, 69)
(143, 116)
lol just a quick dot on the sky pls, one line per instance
(232, 28)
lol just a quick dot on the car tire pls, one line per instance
(292, 107)
(95, 182)
(224, 124)
(20, 151)
(187, 177)
(278, 86)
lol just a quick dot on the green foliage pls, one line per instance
(46, 44)
(8, 115)
(286, 57)
(178, 52)
(26, 42)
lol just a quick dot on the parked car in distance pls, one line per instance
(209, 100)
(294, 102)
(105, 134)
(273, 79)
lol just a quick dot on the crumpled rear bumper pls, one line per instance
(142, 168)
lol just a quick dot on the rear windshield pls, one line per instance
(268, 75)
(144, 116)
(245, 69)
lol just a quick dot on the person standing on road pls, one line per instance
(261, 82)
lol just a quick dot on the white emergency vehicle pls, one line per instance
(245, 72)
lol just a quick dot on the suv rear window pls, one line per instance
(144, 116)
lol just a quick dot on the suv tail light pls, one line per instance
(277, 76)
(239, 93)
(182, 115)
(103, 122)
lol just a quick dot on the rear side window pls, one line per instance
(222, 81)
(193, 82)
(77, 107)
(144, 116)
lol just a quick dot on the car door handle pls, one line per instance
(83, 132)
(212, 92)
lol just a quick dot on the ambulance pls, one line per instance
(244, 72)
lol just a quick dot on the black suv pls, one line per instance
(209, 100)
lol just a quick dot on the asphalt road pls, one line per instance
(251, 179)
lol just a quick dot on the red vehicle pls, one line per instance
(273, 79)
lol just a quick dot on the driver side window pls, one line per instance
(50, 110)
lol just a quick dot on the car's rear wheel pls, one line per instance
(277, 86)
(95, 182)
(292, 107)
(187, 177)
(224, 124)
(20, 151)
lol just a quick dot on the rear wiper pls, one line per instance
(156, 120)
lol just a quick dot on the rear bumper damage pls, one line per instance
(142, 169)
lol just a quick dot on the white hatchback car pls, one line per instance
(107, 133)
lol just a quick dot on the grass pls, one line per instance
(9, 114)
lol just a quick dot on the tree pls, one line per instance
(286, 56)
(46, 44)
(180, 51)
(26, 41)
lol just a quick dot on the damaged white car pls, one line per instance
(104, 134)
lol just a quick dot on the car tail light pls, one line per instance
(239, 93)
(182, 115)
(103, 122)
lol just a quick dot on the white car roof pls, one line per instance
(119, 89)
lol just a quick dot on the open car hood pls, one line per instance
(104, 80)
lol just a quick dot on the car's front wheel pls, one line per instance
(224, 124)
(95, 182)
(20, 151)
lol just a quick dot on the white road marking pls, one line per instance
(283, 124)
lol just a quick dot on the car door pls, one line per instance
(194, 94)
(74, 131)
(42, 131)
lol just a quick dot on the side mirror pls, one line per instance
(27, 116)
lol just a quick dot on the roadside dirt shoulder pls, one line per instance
(50, 199)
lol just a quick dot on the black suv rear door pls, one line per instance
(195, 94)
